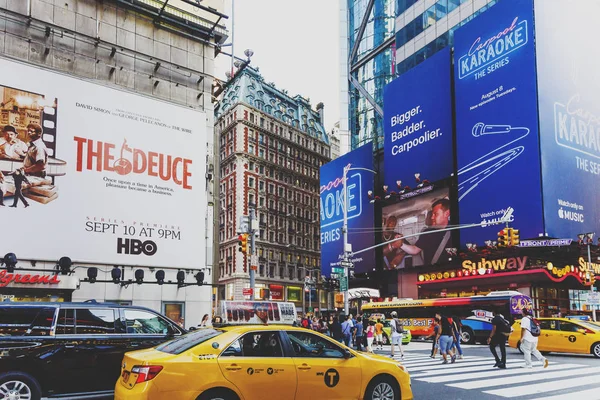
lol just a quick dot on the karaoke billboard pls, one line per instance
(417, 109)
(569, 110)
(97, 174)
(496, 122)
(360, 214)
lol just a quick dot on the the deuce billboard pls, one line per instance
(98, 175)
(496, 122)
(418, 124)
(359, 210)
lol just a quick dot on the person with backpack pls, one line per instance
(500, 331)
(530, 330)
(397, 330)
(446, 339)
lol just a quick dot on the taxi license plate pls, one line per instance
(125, 376)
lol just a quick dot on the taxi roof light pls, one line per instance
(146, 373)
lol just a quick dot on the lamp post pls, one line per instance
(347, 250)
(589, 238)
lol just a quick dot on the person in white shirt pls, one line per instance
(529, 342)
(11, 146)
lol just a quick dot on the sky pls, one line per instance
(295, 45)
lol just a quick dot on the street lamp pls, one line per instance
(347, 249)
(589, 239)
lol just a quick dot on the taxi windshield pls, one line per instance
(589, 325)
(186, 342)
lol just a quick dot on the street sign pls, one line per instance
(346, 264)
(545, 242)
(343, 284)
(593, 298)
(253, 261)
(247, 291)
(244, 224)
(337, 270)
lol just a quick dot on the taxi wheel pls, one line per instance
(218, 394)
(19, 386)
(383, 388)
(596, 350)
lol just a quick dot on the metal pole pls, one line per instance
(345, 234)
(591, 271)
(310, 290)
(304, 298)
(252, 252)
(233, 40)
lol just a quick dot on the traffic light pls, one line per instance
(503, 238)
(199, 278)
(514, 237)
(243, 243)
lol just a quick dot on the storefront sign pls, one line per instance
(517, 263)
(587, 266)
(294, 294)
(8, 278)
(276, 292)
(247, 291)
(545, 243)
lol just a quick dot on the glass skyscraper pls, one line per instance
(396, 36)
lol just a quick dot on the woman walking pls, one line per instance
(370, 336)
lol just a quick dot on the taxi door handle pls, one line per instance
(233, 367)
(304, 367)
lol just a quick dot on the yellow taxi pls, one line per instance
(562, 335)
(249, 361)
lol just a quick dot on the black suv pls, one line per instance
(74, 349)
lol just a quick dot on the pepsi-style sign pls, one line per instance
(360, 213)
(496, 122)
(417, 113)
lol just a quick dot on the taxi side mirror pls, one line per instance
(347, 354)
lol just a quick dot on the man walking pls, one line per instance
(498, 338)
(529, 339)
(347, 330)
(379, 334)
(358, 333)
(397, 330)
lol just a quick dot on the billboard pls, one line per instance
(417, 109)
(496, 122)
(99, 175)
(359, 211)
(569, 112)
(424, 215)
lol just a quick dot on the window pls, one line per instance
(32, 321)
(66, 322)
(94, 321)
(548, 325)
(186, 342)
(174, 311)
(256, 344)
(251, 182)
(306, 344)
(569, 327)
(139, 321)
(251, 148)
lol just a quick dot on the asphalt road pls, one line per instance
(568, 376)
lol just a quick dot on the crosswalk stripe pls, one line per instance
(529, 377)
(488, 373)
(583, 394)
(458, 370)
(544, 387)
(437, 361)
(456, 365)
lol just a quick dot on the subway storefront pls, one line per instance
(556, 290)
